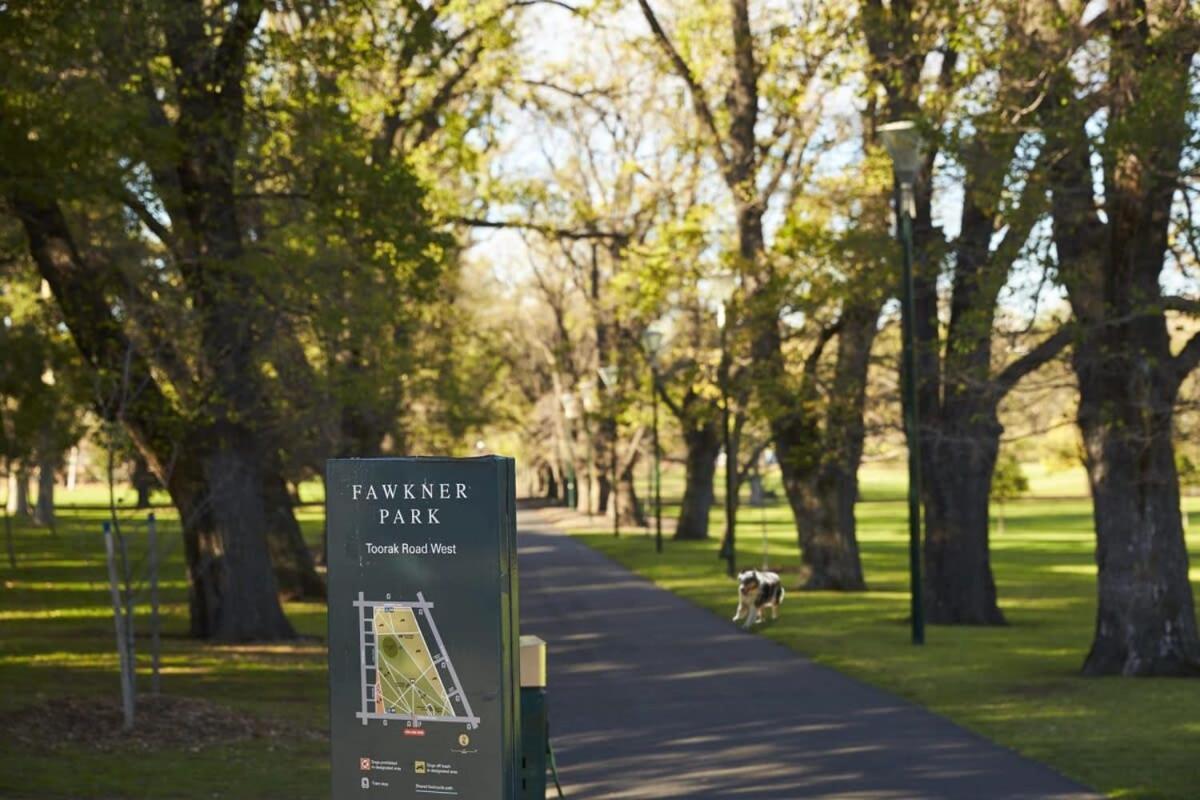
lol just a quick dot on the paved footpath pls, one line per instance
(652, 697)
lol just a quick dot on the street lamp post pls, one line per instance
(610, 375)
(652, 341)
(903, 143)
(724, 287)
(587, 391)
(730, 547)
(570, 414)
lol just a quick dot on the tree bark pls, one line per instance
(1129, 380)
(830, 551)
(703, 446)
(628, 503)
(18, 492)
(43, 511)
(233, 591)
(959, 587)
(291, 558)
(1145, 619)
(143, 481)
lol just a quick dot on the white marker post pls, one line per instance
(119, 622)
(155, 644)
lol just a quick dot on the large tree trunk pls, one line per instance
(959, 587)
(703, 447)
(232, 588)
(827, 525)
(295, 568)
(1145, 617)
(1112, 265)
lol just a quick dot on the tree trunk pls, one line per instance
(43, 512)
(143, 481)
(703, 447)
(628, 504)
(18, 492)
(828, 546)
(1111, 260)
(1145, 617)
(232, 588)
(295, 569)
(820, 467)
(548, 482)
(959, 587)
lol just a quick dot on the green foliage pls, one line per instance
(43, 388)
(1188, 469)
(1008, 480)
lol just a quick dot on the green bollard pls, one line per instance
(534, 724)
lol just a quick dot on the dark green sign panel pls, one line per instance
(423, 646)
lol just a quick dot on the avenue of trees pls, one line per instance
(255, 235)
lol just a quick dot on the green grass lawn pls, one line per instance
(1017, 685)
(57, 641)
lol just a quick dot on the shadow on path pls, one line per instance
(652, 697)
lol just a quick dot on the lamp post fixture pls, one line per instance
(609, 376)
(587, 393)
(723, 288)
(902, 140)
(570, 407)
(652, 340)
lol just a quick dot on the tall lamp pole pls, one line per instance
(587, 392)
(570, 413)
(902, 140)
(609, 376)
(652, 341)
(724, 287)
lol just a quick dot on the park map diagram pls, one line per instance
(407, 675)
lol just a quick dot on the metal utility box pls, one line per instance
(424, 667)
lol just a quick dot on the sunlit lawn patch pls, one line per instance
(57, 642)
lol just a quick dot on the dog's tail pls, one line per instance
(781, 593)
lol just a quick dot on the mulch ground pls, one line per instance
(161, 722)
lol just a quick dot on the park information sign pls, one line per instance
(423, 645)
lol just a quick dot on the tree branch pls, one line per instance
(230, 55)
(1014, 372)
(1188, 305)
(699, 97)
(552, 231)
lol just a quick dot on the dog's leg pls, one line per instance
(738, 613)
(752, 618)
(775, 610)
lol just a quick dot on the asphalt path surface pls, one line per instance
(652, 697)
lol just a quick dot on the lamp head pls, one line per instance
(652, 340)
(903, 142)
(570, 405)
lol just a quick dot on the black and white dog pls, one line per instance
(758, 591)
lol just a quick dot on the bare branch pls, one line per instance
(1014, 372)
(1188, 358)
(699, 97)
(552, 231)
